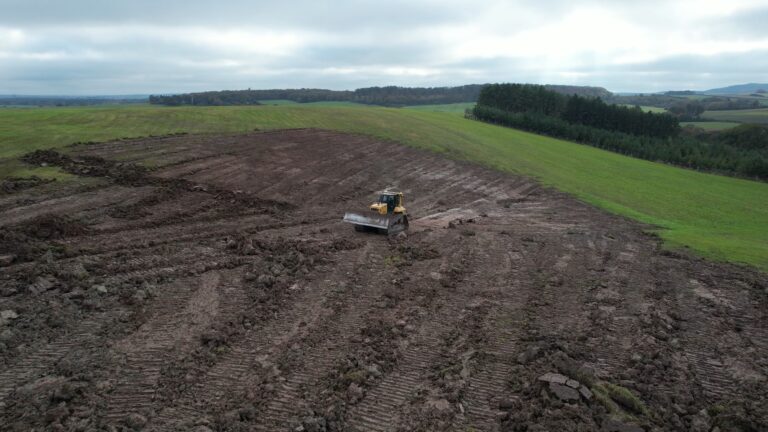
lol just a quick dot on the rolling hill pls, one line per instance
(737, 89)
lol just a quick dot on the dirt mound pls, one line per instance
(31, 240)
(52, 227)
(15, 184)
(91, 166)
(131, 174)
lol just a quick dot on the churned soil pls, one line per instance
(207, 283)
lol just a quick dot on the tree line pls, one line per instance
(588, 111)
(742, 151)
(684, 107)
(64, 101)
(385, 96)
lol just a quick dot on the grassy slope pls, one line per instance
(456, 108)
(744, 116)
(720, 217)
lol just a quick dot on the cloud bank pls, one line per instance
(166, 46)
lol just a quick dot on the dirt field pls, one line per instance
(219, 290)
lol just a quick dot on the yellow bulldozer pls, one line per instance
(386, 216)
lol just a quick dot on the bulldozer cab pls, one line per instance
(390, 200)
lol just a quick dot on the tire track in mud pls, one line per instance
(183, 314)
(386, 401)
(476, 358)
(503, 328)
(615, 299)
(254, 357)
(702, 303)
(44, 358)
(343, 320)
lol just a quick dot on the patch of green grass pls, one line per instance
(620, 402)
(601, 396)
(710, 126)
(456, 108)
(16, 168)
(719, 217)
(759, 115)
(393, 260)
(356, 376)
(625, 398)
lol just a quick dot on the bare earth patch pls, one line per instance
(219, 290)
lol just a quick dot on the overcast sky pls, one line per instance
(166, 46)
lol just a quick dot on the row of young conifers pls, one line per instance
(742, 151)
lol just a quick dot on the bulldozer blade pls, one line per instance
(373, 221)
(384, 223)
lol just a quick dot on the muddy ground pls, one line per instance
(218, 289)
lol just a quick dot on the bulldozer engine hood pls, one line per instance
(379, 207)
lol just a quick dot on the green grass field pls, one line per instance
(720, 217)
(455, 108)
(741, 116)
(711, 126)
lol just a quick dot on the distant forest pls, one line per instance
(741, 151)
(683, 106)
(392, 96)
(69, 100)
(588, 111)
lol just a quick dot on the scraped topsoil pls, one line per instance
(218, 289)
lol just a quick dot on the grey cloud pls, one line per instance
(748, 24)
(90, 46)
(319, 14)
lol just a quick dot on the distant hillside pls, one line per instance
(738, 89)
(384, 96)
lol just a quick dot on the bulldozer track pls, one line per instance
(152, 346)
(36, 364)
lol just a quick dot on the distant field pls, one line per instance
(648, 108)
(720, 217)
(743, 116)
(711, 126)
(457, 108)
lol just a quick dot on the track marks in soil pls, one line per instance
(388, 400)
(41, 360)
(185, 310)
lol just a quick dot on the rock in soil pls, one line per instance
(6, 260)
(8, 315)
(553, 378)
(585, 392)
(564, 393)
(135, 421)
(613, 425)
(41, 285)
